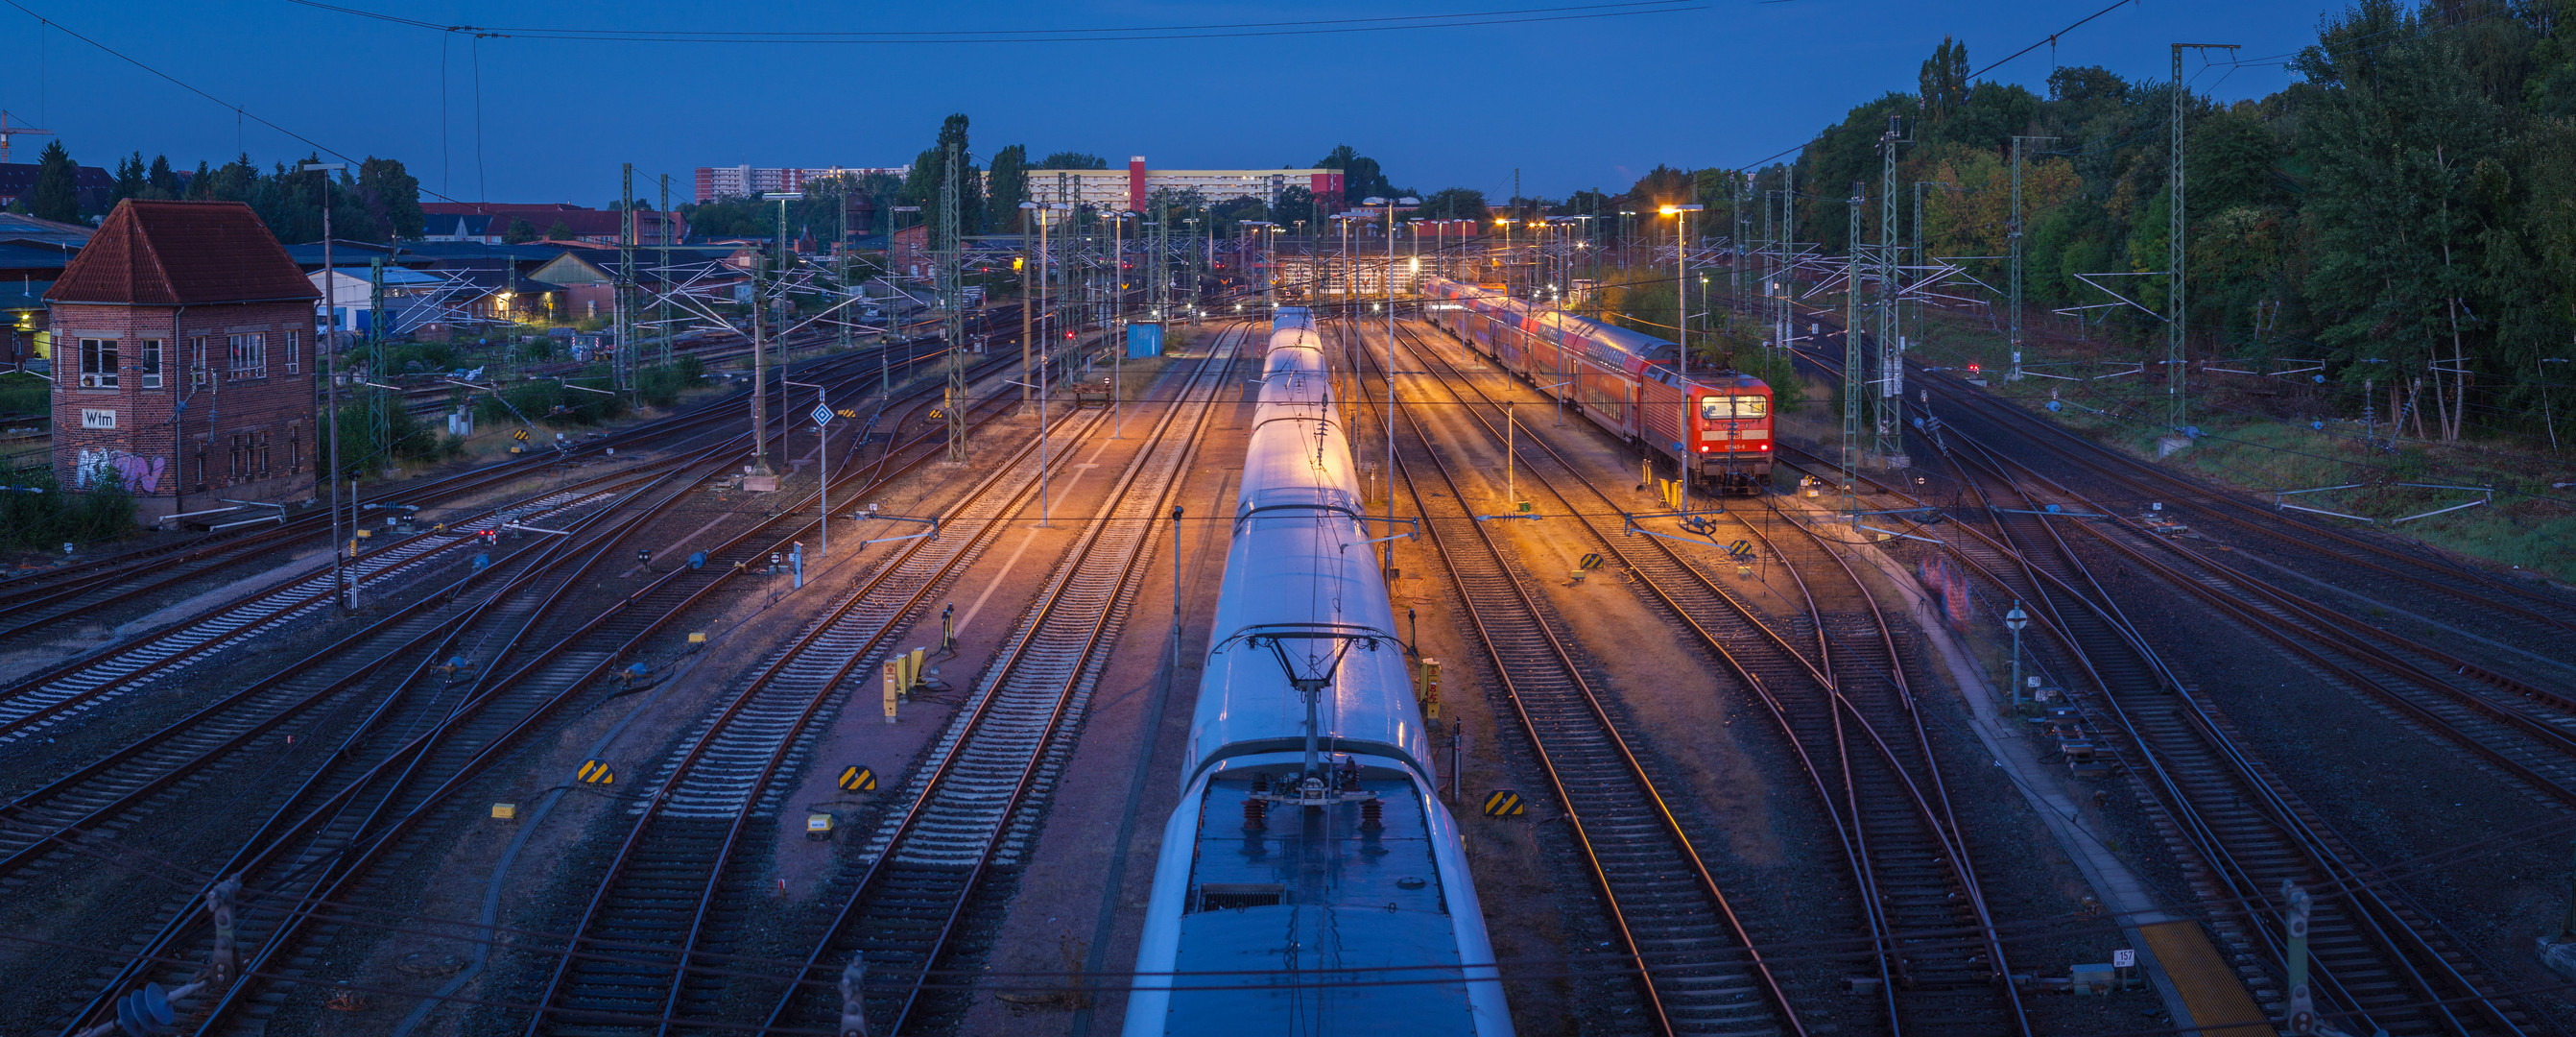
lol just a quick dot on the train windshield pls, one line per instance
(1718, 408)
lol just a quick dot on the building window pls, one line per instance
(197, 363)
(249, 358)
(237, 457)
(98, 363)
(149, 365)
(294, 353)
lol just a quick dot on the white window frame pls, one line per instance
(294, 353)
(147, 363)
(197, 361)
(98, 363)
(246, 356)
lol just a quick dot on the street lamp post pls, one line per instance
(1389, 277)
(344, 584)
(1027, 357)
(1681, 280)
(2014, 621)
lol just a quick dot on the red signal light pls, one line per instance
(1972, 367)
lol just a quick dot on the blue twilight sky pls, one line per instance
(1571, 103)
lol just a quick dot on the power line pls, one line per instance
(1339, 26)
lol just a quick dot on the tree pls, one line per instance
(1455, 203)
(1361, 177)
(1944, 79)
(561, 231)
(1010, 184)
(1073, 160)
(162, 182)
(519, 232)
(391, 197)
(130, 178)
(57, 193)
(929, 175)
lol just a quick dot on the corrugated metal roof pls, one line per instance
(181, 254)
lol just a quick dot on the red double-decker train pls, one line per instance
(1715, 424)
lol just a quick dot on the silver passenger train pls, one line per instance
(1311, 882)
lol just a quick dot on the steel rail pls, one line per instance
(1521, 685)
(2406, 950)
(333, 892)
(1933, 810)
(1077, 651)
(944, 556)
(363, 853)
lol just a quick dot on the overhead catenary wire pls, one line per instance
(1339, 26)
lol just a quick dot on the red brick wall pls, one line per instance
(236, 431)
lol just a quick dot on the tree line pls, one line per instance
(377, 202)
(2404, 213)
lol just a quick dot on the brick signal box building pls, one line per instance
(183, 360)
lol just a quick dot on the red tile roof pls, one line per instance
(181, 254)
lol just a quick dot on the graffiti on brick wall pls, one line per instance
(136, 474)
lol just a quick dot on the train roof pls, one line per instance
(1634, 351)
(1262, 898)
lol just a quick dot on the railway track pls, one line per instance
(1698, 969)
(654, 909)
(2375, 953)
(1833, 680)
(37, 703)
(977, 804)
(43, 601)
(334, 838)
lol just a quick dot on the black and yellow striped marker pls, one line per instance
(519, 434)
(595, 772)
(1503, 803)
(858, 779)
(1590, 561)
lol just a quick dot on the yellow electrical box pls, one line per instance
(505, 811)
(920, 657)
(1428, 689)
(893, 686)
(698, 637)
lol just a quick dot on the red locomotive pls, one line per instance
(1714, 423)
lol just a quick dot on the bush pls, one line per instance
(404, 437)
(661, 385)
(548, 402)
(23, 393)
(52, 516)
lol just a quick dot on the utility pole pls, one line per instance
(1028, 268)
(623, 367)
(841, 260)
(1855, 386)
(759, 372)
(662, 320)
(952, 299)
(379, 420)
(2176, 408)
(344, 582)
(2013, 234)
(1889, 438)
